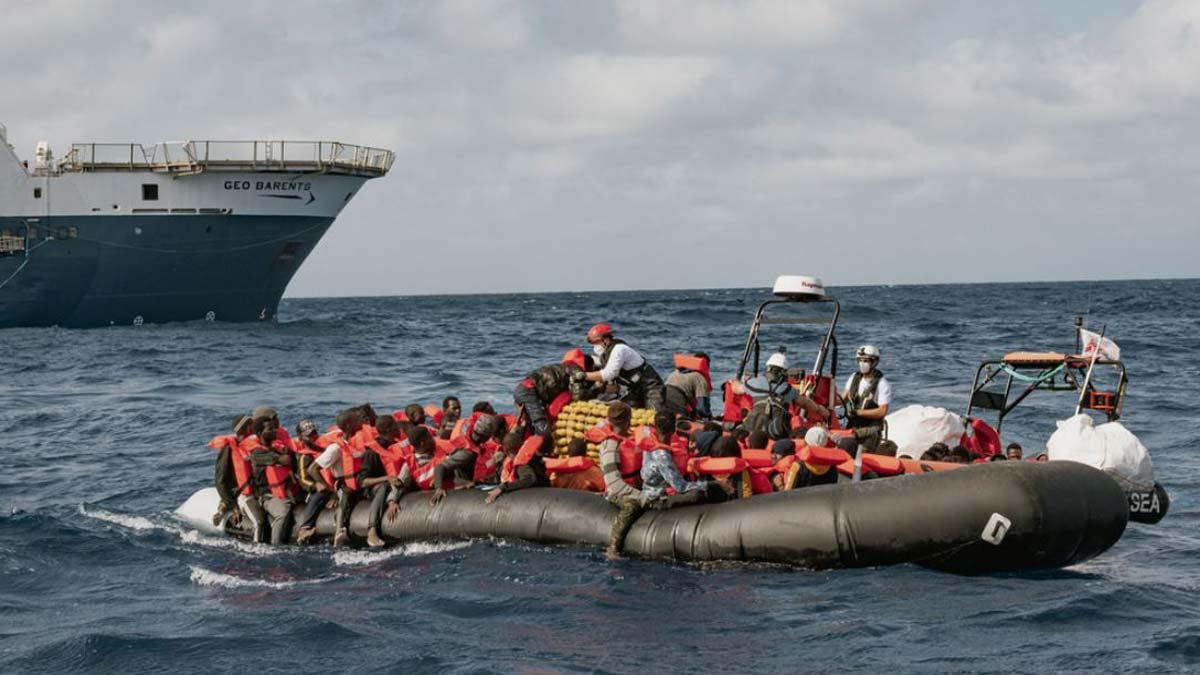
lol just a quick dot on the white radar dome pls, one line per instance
(799, 287)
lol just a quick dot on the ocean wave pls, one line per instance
(352, 558)
(206, 577)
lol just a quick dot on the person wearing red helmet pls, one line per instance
(551, 387)
(621, 364)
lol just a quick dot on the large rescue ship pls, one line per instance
(125, 234)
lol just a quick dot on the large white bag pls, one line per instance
(1109, 447)
(915, 428)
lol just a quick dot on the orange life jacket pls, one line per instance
(392, 456)
(759, 459)
(718, 466)
(696, 363)
(524, 454)
(735, 404)
(917, 466)
(760, 480)
(422, 472)
(239, 458)
(569, 464)
(629, 454)
(556, 406)
(352, 458)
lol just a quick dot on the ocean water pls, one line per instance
(103, 436)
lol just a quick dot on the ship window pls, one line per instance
(37, 193)
(150, 192)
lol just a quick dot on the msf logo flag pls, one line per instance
(1101, 346)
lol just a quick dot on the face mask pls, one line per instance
(598, 350)
(864, 367)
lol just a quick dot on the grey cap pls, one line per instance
(485, 426)
(306, 427)
(263, 412)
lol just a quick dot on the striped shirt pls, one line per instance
(616, 489)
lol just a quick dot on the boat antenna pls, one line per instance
(1087, 379)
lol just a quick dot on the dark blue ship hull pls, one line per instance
(123, 270)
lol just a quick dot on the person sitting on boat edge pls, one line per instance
(688, 391)
(543, 392)
(417, 472)
(660, 472)
(274, 487)
(588, 479)
(224, 476)
(342, 462)
(525, 466)
(617, 462)
(868, 397)
(623, 365)
(469, 450)
(381, 463)
(451, 413)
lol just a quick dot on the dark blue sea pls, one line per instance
(103, 434)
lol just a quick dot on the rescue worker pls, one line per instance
(867, 398)
(344, 463)
(620, 364)
(774, 397)
(475, 445)
(688, 390)
(546, 390)
(617, 454)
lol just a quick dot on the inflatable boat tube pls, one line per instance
(996, 517)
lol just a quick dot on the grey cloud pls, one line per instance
(556, 145)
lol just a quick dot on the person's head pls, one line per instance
(1014, 451)
(757, 440)
(777, 365)
(887, 448)
(483, 428)
(577, 448)
(938, 450)
(817, 437)
(725, 446)
(619, 415)
(415, 413)
(798, 433)
(367, 413)
(243, 425)
(575, 359)
(405, 427)
(266, 413)
(664, 426)
(702, 441)
(306, 430)
(848, 443)
(483, 407)
(782, 448)
(600, 335)
(959, 455)
(713, 426)
(1043, 457)
(388, 429)
(867, 358)
(350, 421)
(997, 458)
(264, 428)
(422, 441)
(451, 404)
(501, 429)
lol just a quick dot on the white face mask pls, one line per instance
(598, 350)
(864, 367)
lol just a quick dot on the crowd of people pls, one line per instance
(775, 434)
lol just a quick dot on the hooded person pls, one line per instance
(544, 392)
(620, 364)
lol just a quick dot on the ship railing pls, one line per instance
(192, 157)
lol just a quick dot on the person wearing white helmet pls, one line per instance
(773, 397)
(867, 396)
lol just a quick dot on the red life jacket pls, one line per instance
(718, 466)
(983, 440)
(352, 458)
(696, 363)
(392, 456)
(735, 404)
(556, 406)
(524, 454)
(758, 459)
(760, 480)
(242, 470)
(434, 416)
(301, 448)
(630, 455)
(239, 458)
(422, 473)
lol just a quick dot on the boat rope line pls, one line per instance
(244, 247)
(1043, 376)
(23, 264)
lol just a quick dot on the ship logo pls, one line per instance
(311, 197)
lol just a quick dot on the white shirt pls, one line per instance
(622, 357)
(883, 392)
(331, 455)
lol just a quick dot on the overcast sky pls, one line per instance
(675, 144)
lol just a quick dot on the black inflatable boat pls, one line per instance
(996, 517)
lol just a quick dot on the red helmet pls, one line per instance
(575, 357)
(597, 332)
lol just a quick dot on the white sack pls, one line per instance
(1109, 447)
(915, 428)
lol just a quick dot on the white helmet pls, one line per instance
(867, 352)
(777, 360)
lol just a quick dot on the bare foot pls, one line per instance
(612, 554)
(341, 538)
(305, 534)
(373, 539)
